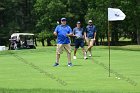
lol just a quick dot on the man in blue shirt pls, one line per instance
(63, 32)
(90, 36)
(78, 32)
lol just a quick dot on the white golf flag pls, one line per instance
(115, 14)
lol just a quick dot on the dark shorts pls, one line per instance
(79, 43)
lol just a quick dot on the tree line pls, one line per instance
(41, 16)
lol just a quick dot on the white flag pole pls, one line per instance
(114, 14)
(109, 46)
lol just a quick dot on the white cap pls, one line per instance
(63, 19)
(78, 22)
(90, 21)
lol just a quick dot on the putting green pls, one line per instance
(33, 69)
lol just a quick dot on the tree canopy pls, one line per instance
(41, 16)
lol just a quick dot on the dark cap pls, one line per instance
(63, 19)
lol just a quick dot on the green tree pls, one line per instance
(15, 16)
(97, 11)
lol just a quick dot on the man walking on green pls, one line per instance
(63, 32)
(79, 39)
(90, 36)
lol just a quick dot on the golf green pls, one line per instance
(32, 71)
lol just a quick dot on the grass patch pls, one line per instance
(127, 48)
(24, 71)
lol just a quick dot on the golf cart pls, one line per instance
(22, 41)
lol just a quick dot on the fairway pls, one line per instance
(32, 71)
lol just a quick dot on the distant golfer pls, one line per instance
(90, 36)
(63, 32)
(79, 39)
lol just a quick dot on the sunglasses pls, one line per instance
(63, 20)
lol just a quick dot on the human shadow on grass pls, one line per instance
(72, 66)
(88, 57)
(96, 56)
(77, 65)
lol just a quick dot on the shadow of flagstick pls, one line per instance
(128, 80)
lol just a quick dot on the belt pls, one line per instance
(90, 37)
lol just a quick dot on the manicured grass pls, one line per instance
(32, 71)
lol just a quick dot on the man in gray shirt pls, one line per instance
(79, 39)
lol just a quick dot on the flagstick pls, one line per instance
(109, 45)
(114, 14)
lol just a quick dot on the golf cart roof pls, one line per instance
(18, 34)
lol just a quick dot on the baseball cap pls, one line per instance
(63, 19)
(90, 21)
(78, 22)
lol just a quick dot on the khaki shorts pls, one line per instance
(90, 42)
(61, 47)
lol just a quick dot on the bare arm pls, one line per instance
(55, 33)
(85, 35)
(71, 34)
(94, 36)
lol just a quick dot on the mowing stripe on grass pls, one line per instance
(130, 81)
(62, 82)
